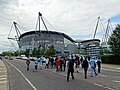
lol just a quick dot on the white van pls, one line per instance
(23, 57)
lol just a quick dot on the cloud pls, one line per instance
(73, 17)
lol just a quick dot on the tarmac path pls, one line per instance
(49, 79)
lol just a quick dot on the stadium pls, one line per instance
(64, 44)
(43, 39)
(89, 47)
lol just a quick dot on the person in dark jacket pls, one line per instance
(52, 62)
(61, 63)
(99, 64)
(28, 63)
(77, 61)
(85, 65)
(64, 63)
(70, 66)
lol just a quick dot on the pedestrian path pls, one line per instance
(3, 77)
(103, 80)
(111, 66)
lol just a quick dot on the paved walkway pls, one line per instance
(4, 81)
(3, 77)
(111, 66)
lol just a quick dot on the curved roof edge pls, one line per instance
(46, 32)
(89, 40)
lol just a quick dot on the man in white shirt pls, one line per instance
(47, 63)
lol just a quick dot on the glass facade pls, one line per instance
(91, 47)
(33, 40)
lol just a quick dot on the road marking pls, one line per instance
(117, 76)
(23, 76)
(3, 76)
(116, 81)
(103, 86)
(2, 68)
(3, 79)
(2, 82)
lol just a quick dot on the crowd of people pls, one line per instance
(70, 63)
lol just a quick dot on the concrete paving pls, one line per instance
(3, 77)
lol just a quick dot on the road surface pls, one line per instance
(49, 79)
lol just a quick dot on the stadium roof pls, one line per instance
(47, 32)
(83, 41)
(89, 40)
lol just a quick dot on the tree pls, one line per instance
(114, 41)
(101, 51)
(22, 52)
(41, 52)
(16, 53)
(12, 53)
(50, 51)
(34, 52)
(5, 53)
(27, 52)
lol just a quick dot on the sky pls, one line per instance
(76, 18)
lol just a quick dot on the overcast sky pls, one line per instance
(76, 18)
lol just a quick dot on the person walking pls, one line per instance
(28, 63)
(64, 63)
(35, 64)
(61, 63)
(81, 60)
(77, 61)
(41, 63)
(88, 58)
(93, 67)
(85, 65)
(47, 62)
(57, 64)
(99, 64)
(70, 66)
(52, 62)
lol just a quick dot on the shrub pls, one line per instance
(111, 59)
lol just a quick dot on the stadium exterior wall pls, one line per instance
(89, 47)
(38, 39)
